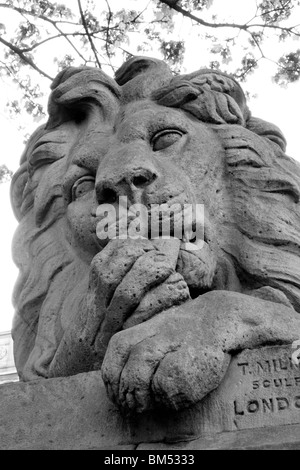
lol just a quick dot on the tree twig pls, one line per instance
(88, 33)
(23, 57)
(110, 15)
(23, 12)
(244, 27)
(19, 82)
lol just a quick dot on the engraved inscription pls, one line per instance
(261, 388)
(269, 386)
(265, 405)
(268, 366)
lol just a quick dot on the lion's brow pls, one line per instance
(89, 162)
(130, 108)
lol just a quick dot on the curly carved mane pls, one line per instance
(260, 233)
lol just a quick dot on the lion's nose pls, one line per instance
(142, 178)
(109, 189)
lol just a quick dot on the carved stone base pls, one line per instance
(261, 390)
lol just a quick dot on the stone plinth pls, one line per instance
(261, 390)
(8, 371)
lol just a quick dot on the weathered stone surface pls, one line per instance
(162, 318)
(274, 438)
(74, 412)
(176, 358)
(60, 413)
(262, 388)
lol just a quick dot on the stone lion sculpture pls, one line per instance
(161, 324)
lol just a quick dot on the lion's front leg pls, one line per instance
(129, 282)
(179, 356)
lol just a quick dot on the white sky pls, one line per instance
(274, 104)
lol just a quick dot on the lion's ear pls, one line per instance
(267, 130)
(139, 65)
(140, 76)
(74, 89)
(67, 73)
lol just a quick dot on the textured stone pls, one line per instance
(261, 388)
(74, 413)
(162, 318)
(274, 438)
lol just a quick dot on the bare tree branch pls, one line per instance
(23, 12)
(24, 58)
(32, 13)
(39, 25)
(258, 46)
(40, 43)
(28, 12)
(243, 27)
(81, 34)
(109, 17)
(141, 12)
(174, 6)
(88, 34)
(70, 42)
(19, 82)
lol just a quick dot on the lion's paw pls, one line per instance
(144, 368)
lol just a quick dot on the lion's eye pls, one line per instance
(165, 138)
(82, 187)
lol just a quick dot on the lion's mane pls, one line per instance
(260, 233)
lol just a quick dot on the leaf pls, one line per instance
(173, 51)
(5, 174)
(289, 68)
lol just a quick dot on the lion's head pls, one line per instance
(156, 138)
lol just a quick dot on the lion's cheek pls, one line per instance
(81, 229)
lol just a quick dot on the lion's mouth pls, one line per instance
(195, 257)
(197, 262)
